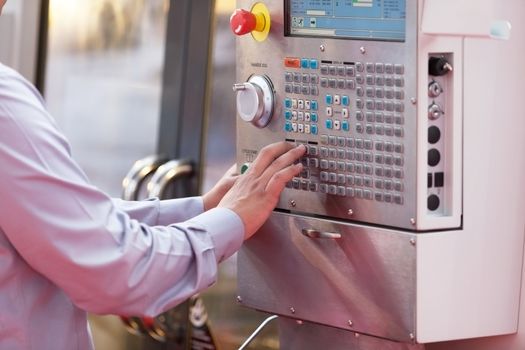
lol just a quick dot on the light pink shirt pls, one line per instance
(67, 248)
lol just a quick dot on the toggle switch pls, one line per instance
(438, 66)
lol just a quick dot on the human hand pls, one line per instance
(214, 196)
(256, 193)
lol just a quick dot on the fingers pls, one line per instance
(283, 161)
(279, 179)
(267, 155)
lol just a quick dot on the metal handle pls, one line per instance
(166, 174)
(135, 177)
(312, 233)
(257, 331)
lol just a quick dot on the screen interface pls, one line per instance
(352, 19)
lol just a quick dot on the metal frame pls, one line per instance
(184, 87)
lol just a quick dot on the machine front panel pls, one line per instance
(363, 282)
(347, 92)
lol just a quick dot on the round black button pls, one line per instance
(432, 202)
(434, 134)
(433, 157)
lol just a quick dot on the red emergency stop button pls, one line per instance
(243, 22)
(256, 21)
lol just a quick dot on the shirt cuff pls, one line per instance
(226, 230)
(178, 210)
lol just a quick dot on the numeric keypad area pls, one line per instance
(353, 167)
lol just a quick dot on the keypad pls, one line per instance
(357, 112)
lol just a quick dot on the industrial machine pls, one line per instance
(405, 227)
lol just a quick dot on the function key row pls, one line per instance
(337, 100)
(338, 141)
(380, 105)
(336, 124)
(305, 78)
(380, 80)
(375, 129)
(380, 117)
(331, 155)
(299, 89)
(338, 83)
(301, 128)
(301, 104)
(359, 180)
(351, 69)
(380, 93)
(305, 63)
(338, 190)
(301, 116)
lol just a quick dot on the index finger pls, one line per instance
(267, 155)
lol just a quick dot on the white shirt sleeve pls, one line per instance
(156, 212)
(109, 256)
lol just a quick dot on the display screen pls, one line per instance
(352, 19)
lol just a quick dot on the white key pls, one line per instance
(307, 129)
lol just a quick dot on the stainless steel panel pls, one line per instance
(267, 58)
(364, 281)
(309, 336)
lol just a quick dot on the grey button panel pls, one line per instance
(365, 160)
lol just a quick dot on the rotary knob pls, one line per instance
(255, 100)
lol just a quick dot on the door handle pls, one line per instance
(312, 233)
(135, 177)
(166, 174)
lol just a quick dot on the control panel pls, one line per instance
(341, 77)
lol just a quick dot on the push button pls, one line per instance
(292, 62)
(305, 63)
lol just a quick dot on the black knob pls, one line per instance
(438, 66)
(432, 202)
(433, 134)
(433, 157)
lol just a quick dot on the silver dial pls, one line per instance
(255, 100)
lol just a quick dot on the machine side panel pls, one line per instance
(363, 281)
(469, 281)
